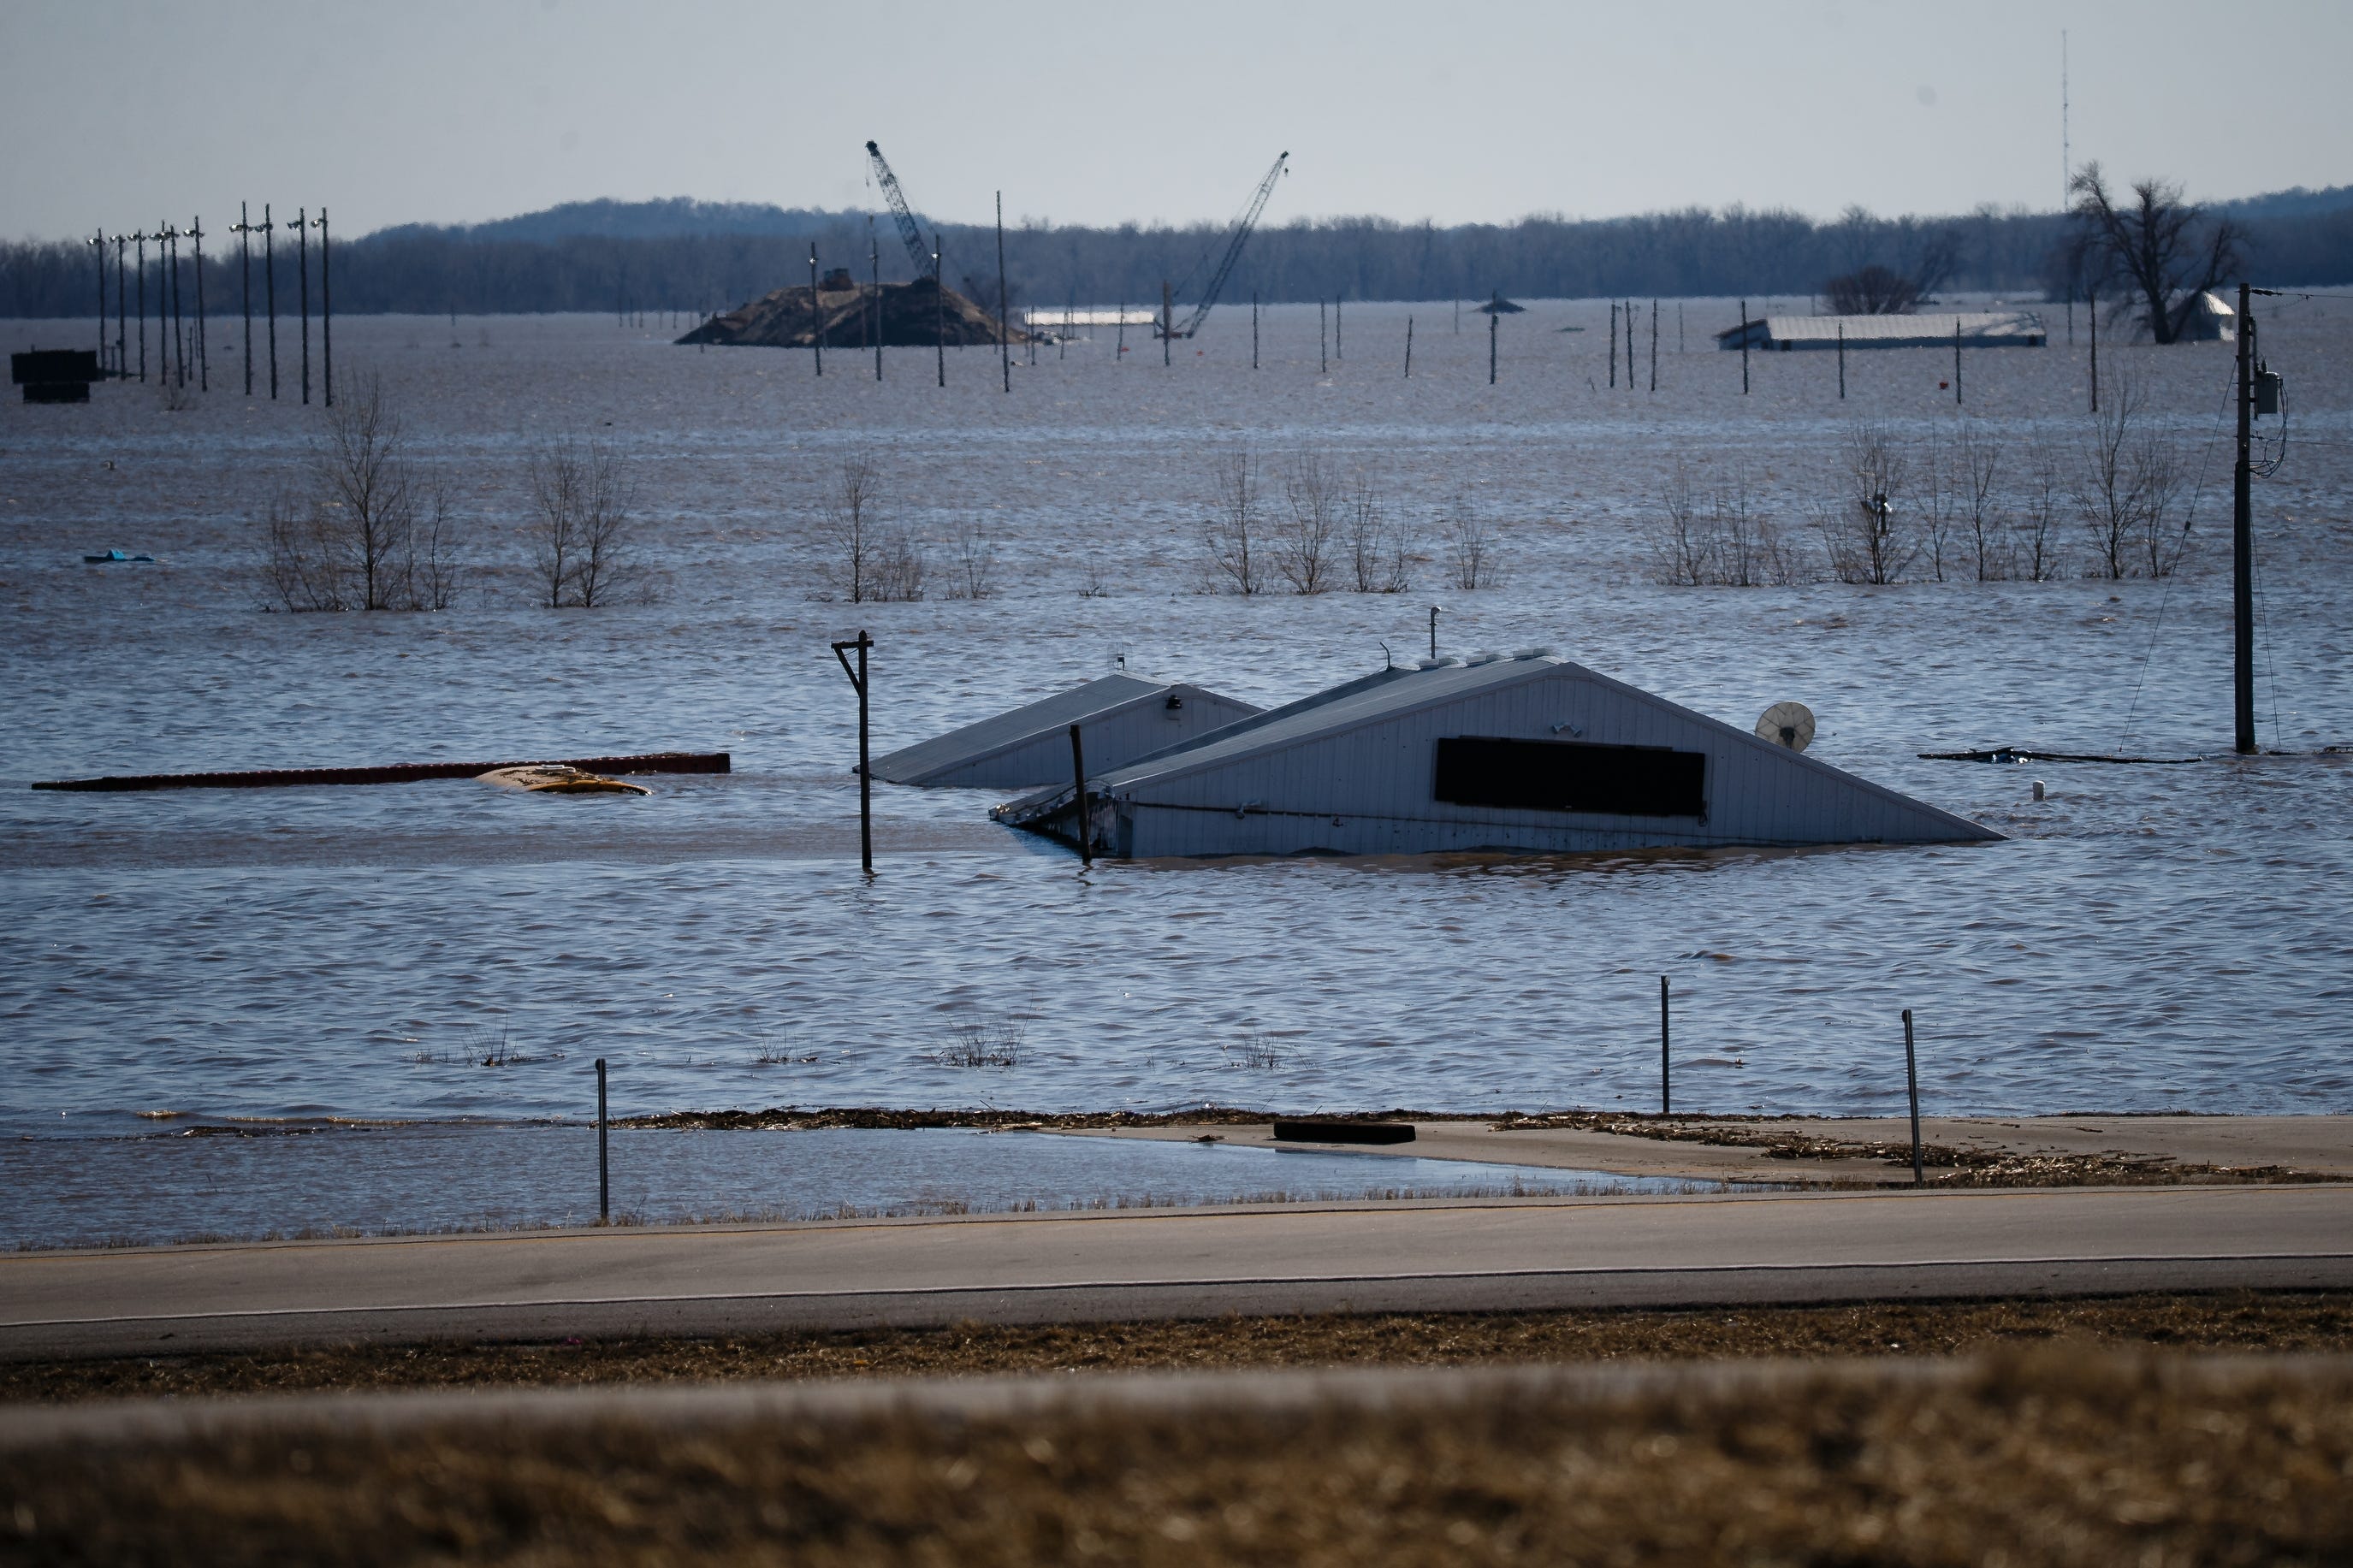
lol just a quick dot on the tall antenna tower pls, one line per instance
(2066, 151)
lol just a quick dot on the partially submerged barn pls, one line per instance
(846, 314)
(1978, 330)
(1120, 719)
(1524, 752)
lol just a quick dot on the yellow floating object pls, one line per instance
(555, 779)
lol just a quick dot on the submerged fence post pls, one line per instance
(1079, 796)
(1666, 1095)
(1912, 1084)
(603, 1167)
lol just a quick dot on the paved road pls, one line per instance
(1750, 1248)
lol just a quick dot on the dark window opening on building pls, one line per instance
(1571, 775)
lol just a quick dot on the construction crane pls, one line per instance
(1234, 243)
(909, 234)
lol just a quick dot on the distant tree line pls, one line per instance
(496, 269)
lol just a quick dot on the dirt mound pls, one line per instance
(913, 316)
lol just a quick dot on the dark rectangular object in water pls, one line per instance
(1571, 775)
(398, 772)
(1344, 1132)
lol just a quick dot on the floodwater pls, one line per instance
(79, 1191)
(2147, 939)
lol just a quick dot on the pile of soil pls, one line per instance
(844, 313)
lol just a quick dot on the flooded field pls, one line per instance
(2147, 939)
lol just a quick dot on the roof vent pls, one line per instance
(1536, 653)
(1484, 656)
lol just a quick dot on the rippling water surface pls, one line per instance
(2147, 939)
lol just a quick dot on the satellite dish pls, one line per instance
(1789, 724)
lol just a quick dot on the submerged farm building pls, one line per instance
(1978, 330)
(1525, 753)
(1120, 718)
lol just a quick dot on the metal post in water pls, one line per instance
(939, 306)
(1912, 1084)
(1743, 347)
(1079, 797)
(203, 353)
(2242, 542)
(302, 279)
(604, 1166)
(1957, 361)
(865, 778)
(1842, 353)
(1666, 1095)
(1433, 631)
(1004, 342)
(1408, 348)
(1494, 319)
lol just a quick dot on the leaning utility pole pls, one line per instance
(2243, 542)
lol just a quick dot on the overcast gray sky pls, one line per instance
(117, 113)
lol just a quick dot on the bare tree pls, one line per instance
(1864, 538)
(581, 544)
(2126, 487)
(1937, 504)
(370, 535)
(1233, 534)
(848, 519)
(2036, 531)
(1977, 463)
(2166, 249)
(1679, 544)
(1304, 547)
(972, 574)
(1470, 546)
(1873, 291)
(1379, 559)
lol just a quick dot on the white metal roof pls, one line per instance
(914, 764)
(1880, 331)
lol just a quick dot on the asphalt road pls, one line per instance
(1099, 1266)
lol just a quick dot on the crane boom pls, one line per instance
(1234, 243)
(909, 234)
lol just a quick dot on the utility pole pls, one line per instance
(1253, 325)
(875, 261)
(269, 290)
(121, 336)
(1630, 345)
(1004, 338)
(1339, 340)
(817, 315)
(1743, 347)
(204, 353)
(140, 272)
(98, 245)
(2092, 308)
(939, 306)
(1079, 796)
(1494, 322)
(1613, 344)
(1322, 342)
(1956, 361)
(1167, 320)
(1842, 353)
(326, 312)
(171, 300)
(302, 276)
(861, 642)
(244, 232)
(1654, 348)
(1408, 348)
(2243, 542)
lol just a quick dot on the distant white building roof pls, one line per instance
(1977, 328)
(1524, 752)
